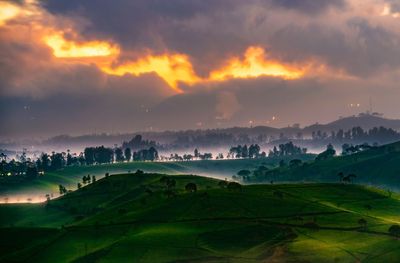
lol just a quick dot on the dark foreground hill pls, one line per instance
(379, 166)
(154, 218)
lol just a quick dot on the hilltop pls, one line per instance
(152, 218)
(365, 121)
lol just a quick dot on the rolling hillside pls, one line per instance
(70, 176)
(378, 167)
(147, 218)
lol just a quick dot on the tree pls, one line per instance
(45, 162)
(62, 189)
(89, 153)
(119, 156)
(328, 153)
(69, 157)
(93, 179)
(349, 178)
(394, 230)
(57, 161)
(79, 185)
(191, 187)
(128, 154)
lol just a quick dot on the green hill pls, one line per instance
(378, 167)
(70, 176)
(152, 218)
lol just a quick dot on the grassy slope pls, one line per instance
(378, 167)
(70, 176)
(117, 219)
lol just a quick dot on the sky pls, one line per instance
(78, 67)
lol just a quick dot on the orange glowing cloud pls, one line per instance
(254, 65)
(173, 68)
(7, 12)
(68, 49)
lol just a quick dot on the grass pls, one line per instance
(128, 218)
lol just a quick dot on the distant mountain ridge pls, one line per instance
(364, 120)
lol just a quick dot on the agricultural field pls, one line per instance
(151, 217)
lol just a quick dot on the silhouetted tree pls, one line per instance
(191, 187)
(128, 154)
(119, 156)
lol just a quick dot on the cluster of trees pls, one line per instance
(328, 153)
(348, 149)
(358, 134)
(189, 157)
(286, 149)
(253, 151)
(26, 168)
(101, 155)
(98, 155)
(138, 143)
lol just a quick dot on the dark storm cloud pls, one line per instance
(210, 32)
(41, 95)
(113, 104)
(310, 6)
(203, 29)
(368, 49)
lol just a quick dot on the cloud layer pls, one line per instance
(84, 66)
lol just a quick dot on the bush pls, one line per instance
(191, 187)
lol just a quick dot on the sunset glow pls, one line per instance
(68, 49)
(7, 11)
(172, 68)
(254, 65)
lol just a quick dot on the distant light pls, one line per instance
(355, 105)
(274, 118)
